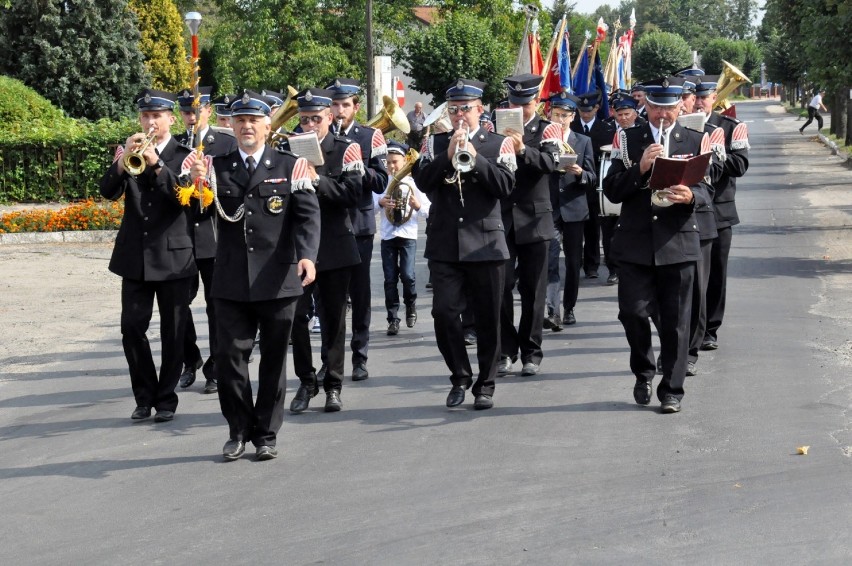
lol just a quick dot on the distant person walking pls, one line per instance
(813, 111)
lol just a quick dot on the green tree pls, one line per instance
(659, 53)
(82, 55)
(162, 41)
(459, 46)
(717, 50)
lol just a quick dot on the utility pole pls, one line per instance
(371, 75)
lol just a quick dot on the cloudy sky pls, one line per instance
(587, 6)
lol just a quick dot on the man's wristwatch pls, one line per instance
(160, 164)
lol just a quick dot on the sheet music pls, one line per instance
(566, 160)
(693, 121)
(506, 118)
(307, 146)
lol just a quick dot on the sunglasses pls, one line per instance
(305, 120)
(453, 110)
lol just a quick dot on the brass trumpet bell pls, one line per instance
(390, 118)
(730, 80)
(134, 161)
(284, 112)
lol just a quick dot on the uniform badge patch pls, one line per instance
(275, 204)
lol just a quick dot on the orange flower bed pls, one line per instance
(86, 215)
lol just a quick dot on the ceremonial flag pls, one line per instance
(600, 84)
(580, 82)
(558, 74)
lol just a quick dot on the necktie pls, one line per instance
(586, 129)
(250, 165)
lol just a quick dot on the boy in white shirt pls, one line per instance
(398, 230)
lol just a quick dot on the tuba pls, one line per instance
(400, 192)
(286, 111)
(438, 120)
(730, 80)
(134, 162)
(390, 118)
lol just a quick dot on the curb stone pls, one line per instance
(71, 236)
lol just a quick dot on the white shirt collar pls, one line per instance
(162, 145)
(257, 155)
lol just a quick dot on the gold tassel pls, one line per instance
(206, 197)
(184, 194)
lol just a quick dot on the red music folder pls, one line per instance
(667, 171)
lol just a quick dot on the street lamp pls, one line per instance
(193, 22)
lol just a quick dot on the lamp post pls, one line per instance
(371, 73)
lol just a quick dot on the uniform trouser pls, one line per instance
(331, 287)
(398, 256)
(607, 231)
(698, 320)
(663, 292)
(532, 286)
(237, 325)
(137, 306)
(449, 279)
(191, 353)
(572, 248)
(359, 292)
(553, 301)
(592, 234)
(718, 282)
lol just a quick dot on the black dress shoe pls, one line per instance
(690, 369)
(410, 316)
(504, 365)
(642, 392)
(482, 402)
(557, 323)
(591, 274)
(141, 413)
(393, 328)
(321, 373)
(233, 449)
(359, 372)
(548, 322)
(671, 404)
(709, 344)
(187, 378)
(530, 368)
(332, 401)
(470, 338)
(456, 396)
(211, 386)
(265, 453)
(303, 397)
(164, 416)
(612, 279)
(569, 318)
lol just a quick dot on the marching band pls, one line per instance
(292, 222)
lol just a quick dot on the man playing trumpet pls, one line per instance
(465, 173)
(152, 253)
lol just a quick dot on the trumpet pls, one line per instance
(463, 159)
(134, 162)
(658, 198)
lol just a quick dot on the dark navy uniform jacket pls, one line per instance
(473, 231)
(528, 209)
(154, 241)
(337, 192)
(568, 193)
(217, 141)
(363, 214)
(647, 234)
(256, 256)
(735, 165)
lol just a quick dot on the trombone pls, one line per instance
(134, 162)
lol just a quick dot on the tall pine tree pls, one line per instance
(82, 55)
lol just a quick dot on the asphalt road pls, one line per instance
(565, 469)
